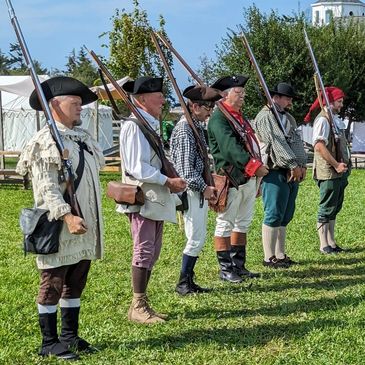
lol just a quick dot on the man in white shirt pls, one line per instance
(141, 166)
(330, 168)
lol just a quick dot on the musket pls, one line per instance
(207, 175)
(262, 82)
(169, 46)
(232, 121)
(322, 93)
(152, 137)
(75, 207)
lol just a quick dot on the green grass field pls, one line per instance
(313, 313)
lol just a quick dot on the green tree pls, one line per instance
(4, 64)
(81, 67)
(17, 63)
(132, 52)
(279, 47)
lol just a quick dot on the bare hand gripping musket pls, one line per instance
(207, 175)
(232, 121)
(75, 208)
(152, 137)
(262, 81)
(321, 92)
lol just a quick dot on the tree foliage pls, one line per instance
(132, 52)
(279, 47)
(17, 65)
(81, 67)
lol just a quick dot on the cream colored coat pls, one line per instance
(42, 160)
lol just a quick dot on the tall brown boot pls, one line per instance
(238, 255)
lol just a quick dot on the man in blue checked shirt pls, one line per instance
(189, 164)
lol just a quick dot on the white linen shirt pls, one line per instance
(322, 129)
(135, 151)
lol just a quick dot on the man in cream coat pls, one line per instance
(141, 166)
(64, 274)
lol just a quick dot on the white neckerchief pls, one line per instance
(152, 121)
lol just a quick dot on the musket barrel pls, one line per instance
(321, 85)
(262, 81)
(36, 82)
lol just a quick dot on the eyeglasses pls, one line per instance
(208, 108)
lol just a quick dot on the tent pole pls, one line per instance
(97, 121)
(2, 157)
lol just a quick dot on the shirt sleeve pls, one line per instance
(184, 154)
(49, 188)
(321, 130)
(269, 132)
(136, 155)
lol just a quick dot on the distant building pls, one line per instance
(324, 10)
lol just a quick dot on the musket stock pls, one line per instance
(152, 137)
(49, 118)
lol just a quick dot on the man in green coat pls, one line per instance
(230, 153)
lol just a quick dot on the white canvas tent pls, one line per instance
(358, 137)
(20, 122)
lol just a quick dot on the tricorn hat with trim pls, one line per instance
(144, 85)
(226, 82)
(284, 89)
(62, 85)
(202, 93)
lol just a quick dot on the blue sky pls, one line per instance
(53, 28)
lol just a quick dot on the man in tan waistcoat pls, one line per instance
(141, 166)
(64, 273)
(331, 167)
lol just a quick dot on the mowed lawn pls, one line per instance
(313, 313)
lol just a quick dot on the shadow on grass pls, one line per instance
(327, 283)
(317, 272)
(281, 310)
(238, 337)
(340, 258)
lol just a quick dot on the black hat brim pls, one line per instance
(59, 86)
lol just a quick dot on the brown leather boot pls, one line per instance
(141, 312)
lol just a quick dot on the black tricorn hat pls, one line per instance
(284, 89)
(62, 85)
(143, 85)
(202, 93)
(226, 82)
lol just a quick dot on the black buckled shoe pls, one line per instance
(328, 250)
(288, 260)
(338, 249)
(274, 263)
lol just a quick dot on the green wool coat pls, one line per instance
(226, 148)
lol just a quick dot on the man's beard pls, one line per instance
(77, 123)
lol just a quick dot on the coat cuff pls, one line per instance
(252, 166)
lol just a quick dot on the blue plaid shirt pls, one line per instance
(185, 155)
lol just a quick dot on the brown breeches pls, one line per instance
(65, 282)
